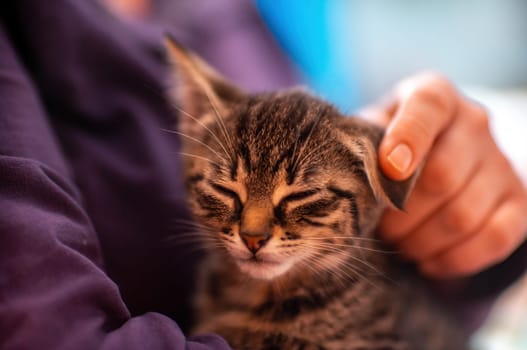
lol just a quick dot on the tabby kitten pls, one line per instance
(288, 193)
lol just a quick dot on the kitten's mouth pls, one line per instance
(260, 268)
(258, 260)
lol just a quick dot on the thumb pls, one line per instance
(426, 108)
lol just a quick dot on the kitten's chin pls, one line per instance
(262, 269)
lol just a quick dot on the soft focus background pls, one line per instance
(373, 44)
(352, 52)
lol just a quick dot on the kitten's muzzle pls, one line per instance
(255, 241)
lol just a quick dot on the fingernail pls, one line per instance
(401, 157)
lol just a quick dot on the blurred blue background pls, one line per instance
(352, 51)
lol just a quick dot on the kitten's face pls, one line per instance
(280, 190)
(281, 181)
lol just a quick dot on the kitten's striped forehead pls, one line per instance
(274, 132)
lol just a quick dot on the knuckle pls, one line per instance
(438, 177)
(499, 242)
(505, 232)
(460, 265)
(455, 265)
(479, 119)
(522, 204)
(461, 219)
(468, 268)
(435, 97)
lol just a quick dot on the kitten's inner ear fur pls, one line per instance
(198, 89)
(363, 139)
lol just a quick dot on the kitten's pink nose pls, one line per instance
(254, 242)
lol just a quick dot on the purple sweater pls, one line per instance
(91, 197)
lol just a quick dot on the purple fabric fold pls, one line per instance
(90, 186)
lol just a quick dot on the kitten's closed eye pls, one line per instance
(280, 209)
(229, 193)
(210, 203)
(316, 209)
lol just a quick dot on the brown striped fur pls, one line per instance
(287, 193)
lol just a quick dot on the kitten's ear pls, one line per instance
(197, 88)
(363, 139)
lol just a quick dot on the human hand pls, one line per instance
(468, 210)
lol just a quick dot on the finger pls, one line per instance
(463, 216)
(448, 168)
(382, 112)
(376, 114)
(427, 107)
(498, 239)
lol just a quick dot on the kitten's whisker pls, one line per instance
(196, 235)
(316, 268)
(197, 229)
(182, 111)
(187, 229)
(179, 239)
(342, 258)
(374, 240)
(221, 123)
(373, 268)
(201, 244)
(195, 232)
(200, 157)
(351, 245)
(228, 239)
(197, 141)
(314, 259)
(344, 270)
(363, 277)
(196, 246)
(313, 264)
(190, 222)
(216, 138)
(345, 254)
